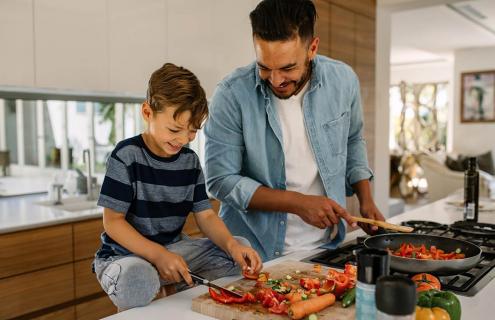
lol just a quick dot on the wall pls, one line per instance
(475, 59)
(114, 45)
(422, 72)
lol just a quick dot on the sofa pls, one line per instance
(443, 181)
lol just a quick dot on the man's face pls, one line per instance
(168, 135)
(284, 65)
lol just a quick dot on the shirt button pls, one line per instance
(277, 253)
(282, 223)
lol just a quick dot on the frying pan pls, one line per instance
(439, 267)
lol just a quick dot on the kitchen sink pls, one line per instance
(79, 203)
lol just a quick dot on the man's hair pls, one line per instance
(280, 20)
(173, 86)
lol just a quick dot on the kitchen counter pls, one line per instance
(22, 213)
(178, 306)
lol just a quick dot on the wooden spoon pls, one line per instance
(383, 224)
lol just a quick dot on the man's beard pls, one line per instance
(298, 85)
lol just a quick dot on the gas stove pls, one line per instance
(467, 283)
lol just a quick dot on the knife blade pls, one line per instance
(200, 280)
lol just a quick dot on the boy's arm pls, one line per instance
(214, 229)
(171, 266)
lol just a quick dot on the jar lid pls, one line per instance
(371, 264)
(395, 295)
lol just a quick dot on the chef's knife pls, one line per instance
(206, 282)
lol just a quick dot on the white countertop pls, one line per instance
(178, 306)
(22, 213)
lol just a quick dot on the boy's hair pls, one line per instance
(280, 20)
(173, 86)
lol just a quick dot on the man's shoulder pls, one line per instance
(240, 78)
(326, 65)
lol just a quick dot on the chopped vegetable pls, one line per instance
(408, 250)
(313, 317)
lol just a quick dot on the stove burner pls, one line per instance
(422, 224)
(474, 228)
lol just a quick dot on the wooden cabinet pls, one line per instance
(46, 273)
(87, 238)
(96, 309)
(65, 314)
(26, 251)
(33, 291)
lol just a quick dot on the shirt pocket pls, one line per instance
(336, 133)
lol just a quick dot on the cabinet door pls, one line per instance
(30, 250)
(71, 47)
(16, 37)
(34, 291)
(85, 279)
(65, 314)
(97, 309)
(87, 238)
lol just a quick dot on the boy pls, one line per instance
(151, 184)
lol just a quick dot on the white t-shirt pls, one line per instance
(300, 170)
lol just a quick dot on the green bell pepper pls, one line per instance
(442, 299)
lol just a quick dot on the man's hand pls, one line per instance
(370, 211)
(246, 257)
(172, 267)
(321, 212)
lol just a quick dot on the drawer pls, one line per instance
(86, 283)
(36, 290)
(65, 314)
(30, 250)
(96, 309)
(87, 238)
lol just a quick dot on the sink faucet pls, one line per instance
(89, 177)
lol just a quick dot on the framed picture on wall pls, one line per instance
(478, 96)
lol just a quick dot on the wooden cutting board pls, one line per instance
(207, 306)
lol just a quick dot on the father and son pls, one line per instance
(284, 147)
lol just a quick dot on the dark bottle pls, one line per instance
(471, 191)
(395, 298)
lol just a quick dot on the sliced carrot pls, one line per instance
(303, 308)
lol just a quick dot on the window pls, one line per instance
(53, 129)
(418, 116)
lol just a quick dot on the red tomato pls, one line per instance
(250, 276)
(426, 281)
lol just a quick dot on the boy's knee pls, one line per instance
(136, 285)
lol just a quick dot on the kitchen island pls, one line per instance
(178, 306)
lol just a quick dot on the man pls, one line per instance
(284, 139)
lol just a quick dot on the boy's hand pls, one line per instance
(247, 258)
(172, 267)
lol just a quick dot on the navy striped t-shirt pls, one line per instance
(155, 193)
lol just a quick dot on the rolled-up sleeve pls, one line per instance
(224, 150)
(357, 167)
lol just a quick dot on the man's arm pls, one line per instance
(215, 230)
(358, 173)
(318, 211)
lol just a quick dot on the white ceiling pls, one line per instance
(432, 33)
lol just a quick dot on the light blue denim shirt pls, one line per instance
(244, 147)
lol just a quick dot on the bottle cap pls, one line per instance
(395, 295)
(372, 263)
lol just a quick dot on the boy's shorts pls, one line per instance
(131, 281)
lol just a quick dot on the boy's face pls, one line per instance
(168, 135)
(285, 65)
